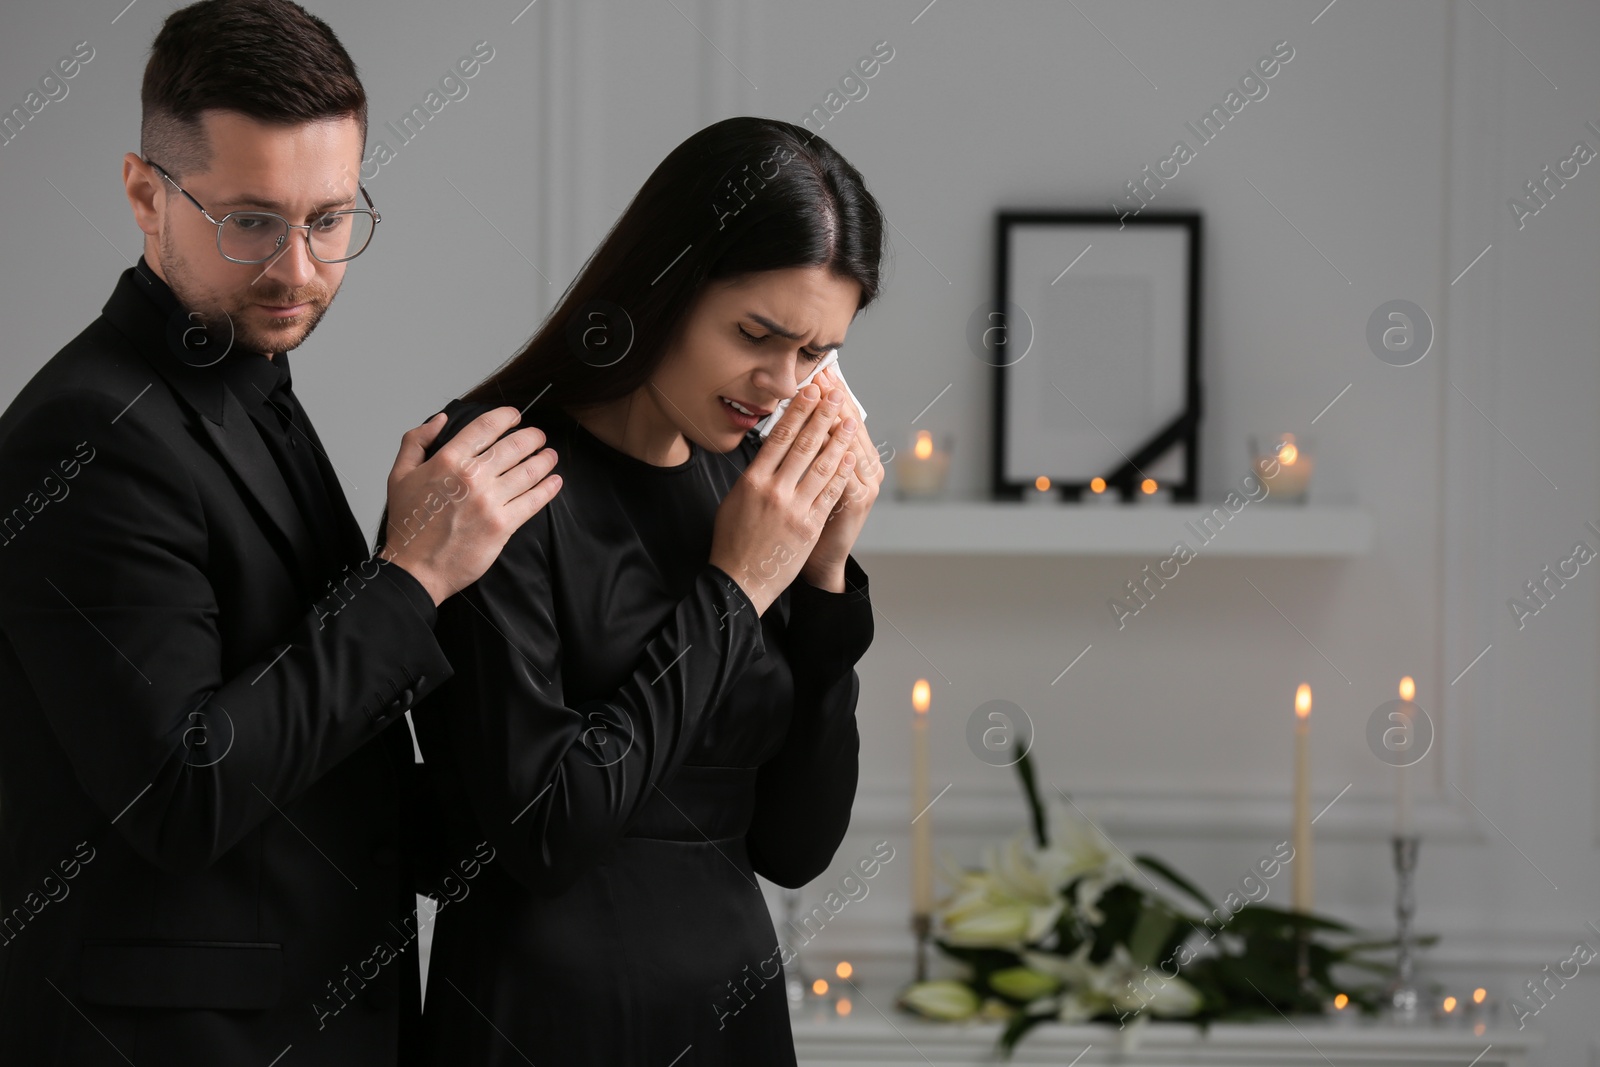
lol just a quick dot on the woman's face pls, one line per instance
(751, 340)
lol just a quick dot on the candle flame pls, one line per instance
(1302, 701)
(844, 970)
(1449, 1005)
(843, 1007)
(1408, 688)
(820, 986)
(1097, 485)
(1148, 485)
(1042, 484)
(1340, 1001)
(1478, 995)
(1288, 455)
(920, 696)
(924, 446)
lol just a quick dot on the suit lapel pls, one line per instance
(239, 442)
(146, 312)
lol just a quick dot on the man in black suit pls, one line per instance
(204, 768)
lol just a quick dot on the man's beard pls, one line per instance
(234, 321)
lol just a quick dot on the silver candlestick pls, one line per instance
(1404, 1002)
(922, 928)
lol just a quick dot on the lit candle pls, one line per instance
(921, 828)
(1478, 1014)
(1402, 787)
(1152, 493)
(1286, 469)
(921, 471)
(1041, 493)
(1301, 888)
(1099, 493)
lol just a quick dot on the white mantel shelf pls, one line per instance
(866, 1037)
(987, 528)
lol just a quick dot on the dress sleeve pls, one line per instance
(804, 794)
(553, 784)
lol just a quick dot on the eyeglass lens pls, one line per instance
(254, 236)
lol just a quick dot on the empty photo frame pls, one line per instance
(1095, 343)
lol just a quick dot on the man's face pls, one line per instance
(298, 172)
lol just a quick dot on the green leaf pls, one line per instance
(1030, 791)
(1149, 932)
(1146, 860)
(983, 961)
(1121, 905)
(1016, 1028)
(1258, 917)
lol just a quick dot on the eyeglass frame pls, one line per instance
(370, 209)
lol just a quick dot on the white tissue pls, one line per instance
(830, 360)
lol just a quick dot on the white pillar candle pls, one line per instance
(1402, 802)
(1301, 888)
(922, 827)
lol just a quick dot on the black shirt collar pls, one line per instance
(250, 376)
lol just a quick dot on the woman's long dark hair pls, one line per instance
(741, 196)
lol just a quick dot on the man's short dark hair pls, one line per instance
(268, 59)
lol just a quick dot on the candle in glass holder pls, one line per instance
(1099, 493)
(1478, 1011)
(920, 472)
(1285, 467)
(1041, 492)
(1150, 492)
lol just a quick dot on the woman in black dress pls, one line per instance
(654, 691)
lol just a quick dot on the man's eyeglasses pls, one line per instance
(257, 236)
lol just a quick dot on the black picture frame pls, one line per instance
(1180, 430)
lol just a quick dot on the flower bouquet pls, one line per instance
(1063, 925)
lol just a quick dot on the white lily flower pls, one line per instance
(1079, 1007)
(1142, 989)
(943, 998)
(998, 926)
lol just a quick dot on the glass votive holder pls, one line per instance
(1340, 1010)
(1284, 464)
(1041, 491)
(1479, 1010)
(920, 471)
(1150, 491)
(1099, 493)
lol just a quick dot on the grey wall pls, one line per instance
(1378, 167)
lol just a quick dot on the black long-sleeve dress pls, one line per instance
(635, 744)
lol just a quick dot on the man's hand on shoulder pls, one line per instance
(450, 513)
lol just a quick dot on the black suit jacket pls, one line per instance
(202, 775)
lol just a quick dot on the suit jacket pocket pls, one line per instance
(182, 974)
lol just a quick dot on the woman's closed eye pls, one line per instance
(755, 340)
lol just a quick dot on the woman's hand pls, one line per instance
(767, 524)
(825, 566)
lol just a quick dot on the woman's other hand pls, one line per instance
(825, 566)
(768, 524)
